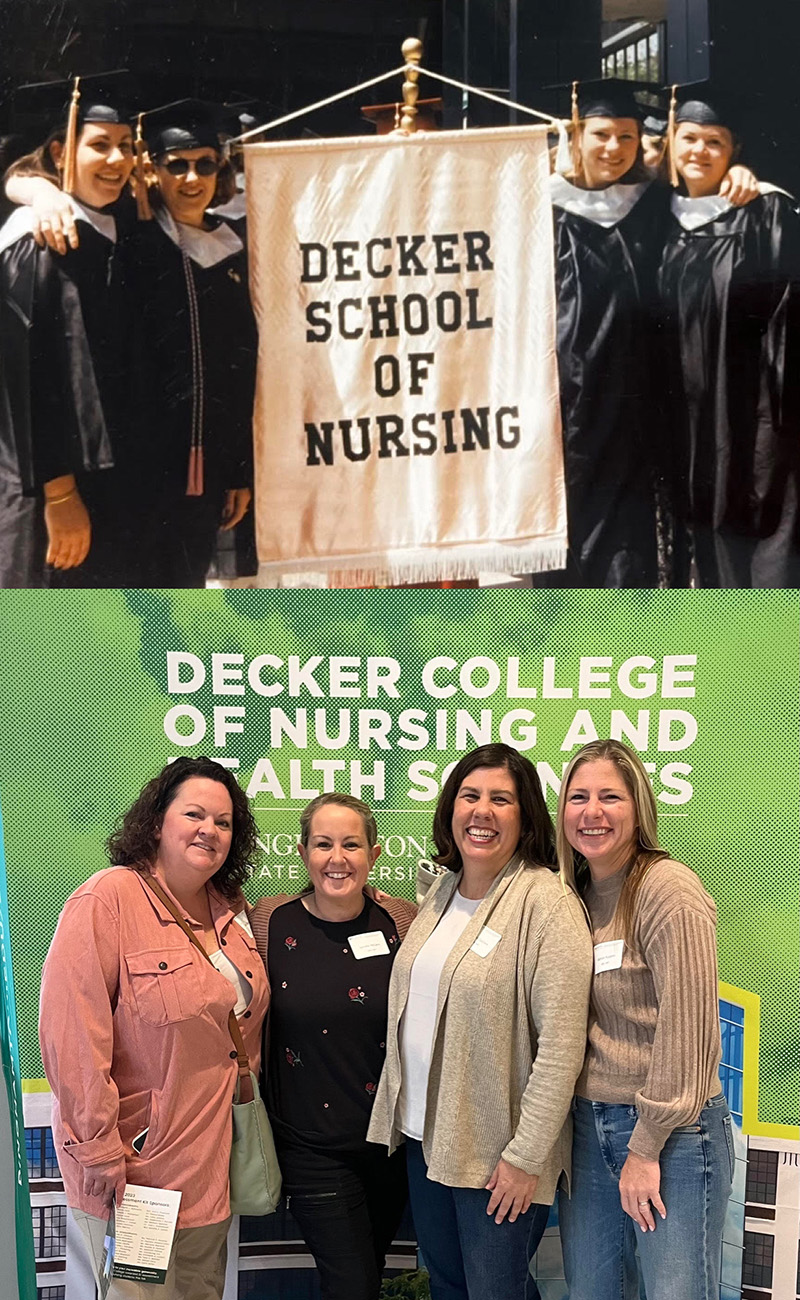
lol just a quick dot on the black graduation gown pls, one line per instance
(63, 404)
(731, 295)
(605, 285)
(191, 374)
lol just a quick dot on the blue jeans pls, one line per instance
(681, 1259)
(468, 1255)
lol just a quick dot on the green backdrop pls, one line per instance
(710, 700)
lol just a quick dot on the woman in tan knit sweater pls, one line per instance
(487, 1029)
(652, 1146)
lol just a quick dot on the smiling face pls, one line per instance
(188, 196)
(486, 819)
(196, 833)
(702, 156)
(609, 146)
(600, 817)
(103, 162)
(338, 857)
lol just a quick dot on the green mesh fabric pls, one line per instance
(84, 701)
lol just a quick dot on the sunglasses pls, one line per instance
(200, 166)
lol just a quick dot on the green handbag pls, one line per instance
(254, 1171)
(255, 1177)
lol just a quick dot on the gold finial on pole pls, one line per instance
(412, 53)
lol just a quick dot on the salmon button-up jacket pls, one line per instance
(134, 1035)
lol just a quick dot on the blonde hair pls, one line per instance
(343, 801)
(571, 864)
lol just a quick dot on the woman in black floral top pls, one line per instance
(329, 955)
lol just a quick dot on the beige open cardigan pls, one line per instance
(510, 1033)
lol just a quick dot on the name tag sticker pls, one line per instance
(486, 940)
(372, 944)
(608, 956)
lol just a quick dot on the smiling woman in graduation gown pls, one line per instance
(730, 284)
(63, 413)
(196, 347)
(608, 219)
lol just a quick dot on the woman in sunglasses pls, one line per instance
(196, 346)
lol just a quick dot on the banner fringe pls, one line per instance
(429, 565)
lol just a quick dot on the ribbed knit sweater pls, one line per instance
(654, 1038)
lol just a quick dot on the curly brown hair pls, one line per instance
(537, 837)
(134, 841)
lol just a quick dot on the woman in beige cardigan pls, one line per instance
(486, 1035)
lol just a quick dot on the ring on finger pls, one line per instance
(647, 1202)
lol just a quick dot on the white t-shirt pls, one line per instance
(241, 986)
(419, 1017)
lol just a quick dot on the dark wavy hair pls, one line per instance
(537, 836)
(134, 841)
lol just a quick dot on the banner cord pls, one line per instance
(395, 72)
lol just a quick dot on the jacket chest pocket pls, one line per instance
(165, 985)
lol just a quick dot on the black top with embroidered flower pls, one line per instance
(327, 1025)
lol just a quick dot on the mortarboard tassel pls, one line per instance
(576, 131)
(71, 141)
(194, 479)
(143, 209)
(673, 170)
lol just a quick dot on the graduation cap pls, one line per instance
(184, 124)
(104, 97)
(609, 97)
(243, 113)
(654, 126)
(706, 104)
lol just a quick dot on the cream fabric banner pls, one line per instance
(407, 418)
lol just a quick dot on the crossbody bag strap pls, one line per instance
(243, 1059)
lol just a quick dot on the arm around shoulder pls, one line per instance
(260, 915)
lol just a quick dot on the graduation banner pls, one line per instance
(407, 424)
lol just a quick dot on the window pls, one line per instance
(762, 1177)
(634, 50)
(731, 1072)
(758, 1255)
(51, 1293)
(49, 1231)
(41, 1153)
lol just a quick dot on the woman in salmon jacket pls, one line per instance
(134, 1020)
